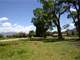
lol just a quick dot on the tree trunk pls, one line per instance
(59, 32)
(79, 24)
(78, 17)
(37, 32)
(74, 21)
(59, 29)
(40, 31)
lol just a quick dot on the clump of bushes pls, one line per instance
(18, 35)
(31, 34)
(1, 36)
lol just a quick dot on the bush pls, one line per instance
(18, 35)
(31, 33)
(1, 36)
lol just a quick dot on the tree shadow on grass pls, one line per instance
(76, 43)
(42, 40)
(53, 40)
(46, 40)
(77, 57)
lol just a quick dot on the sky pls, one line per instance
(16, 15)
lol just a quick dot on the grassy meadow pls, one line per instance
(39, 50)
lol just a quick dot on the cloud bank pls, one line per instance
(7, 26)
(4, 19)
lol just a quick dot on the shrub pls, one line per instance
(1, 36)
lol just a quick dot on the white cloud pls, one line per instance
(3, 19)
(9, 27)
(29, 28)
(6, 24)
(26, 29)
(6, 27)
(18, 28)
(72, 9)
(70, 27)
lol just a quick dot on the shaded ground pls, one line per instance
(76, 43)
(35, 38)
(39, 50)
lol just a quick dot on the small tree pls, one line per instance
(31, 33)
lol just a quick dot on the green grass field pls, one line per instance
(38, 50)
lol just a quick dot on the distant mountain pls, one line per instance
(8, 33)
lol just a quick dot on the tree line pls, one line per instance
(48, 16)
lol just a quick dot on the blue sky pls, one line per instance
(20, 13)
